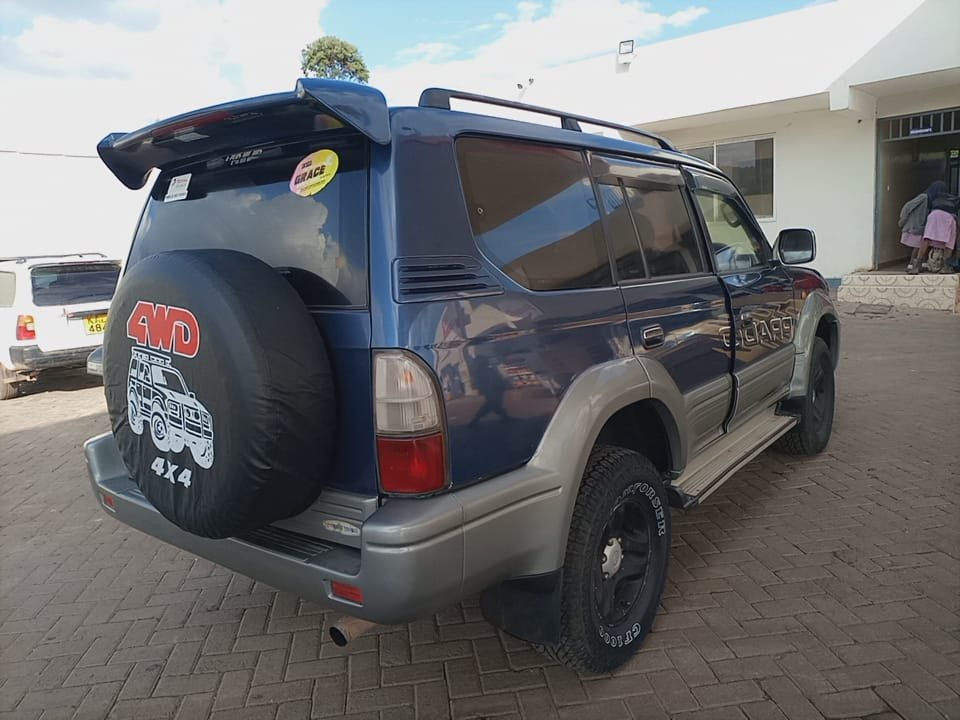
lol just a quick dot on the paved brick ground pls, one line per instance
(822, 588)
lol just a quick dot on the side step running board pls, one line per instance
(720, 460)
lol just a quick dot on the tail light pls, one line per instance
(411, 448)
(26, 330)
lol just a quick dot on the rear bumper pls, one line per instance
(414, 557)
(30, 358)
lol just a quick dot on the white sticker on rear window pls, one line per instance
(314, 172)
(179, 186)
(189, 136)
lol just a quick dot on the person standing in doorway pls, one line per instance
(940, 233)
(913, 223)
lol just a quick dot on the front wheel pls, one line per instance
(811, 435)
(616, 562)
(203, 454)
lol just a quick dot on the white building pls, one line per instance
(58, 203)
(827, 117)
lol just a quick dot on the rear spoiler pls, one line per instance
(222, 128)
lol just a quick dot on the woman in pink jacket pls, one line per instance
(939, 229)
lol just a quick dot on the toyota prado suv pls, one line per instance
(385, 358)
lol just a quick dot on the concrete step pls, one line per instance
(927, 291)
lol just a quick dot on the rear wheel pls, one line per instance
(159, 430)
(8, 387)
(811, 435)
(134, 416)
(616, 562)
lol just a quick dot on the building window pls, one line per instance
(749, 163)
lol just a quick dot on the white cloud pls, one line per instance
(68, 80)
(534, 37)
(77, 71)
(427, 51)
(686, 16)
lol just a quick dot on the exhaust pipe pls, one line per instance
(348, 628)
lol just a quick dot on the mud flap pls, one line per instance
(526, 607)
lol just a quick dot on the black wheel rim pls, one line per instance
(623, 562)
(820, 392)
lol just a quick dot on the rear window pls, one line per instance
(74, 284)
(243, 201)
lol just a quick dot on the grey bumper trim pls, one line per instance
(415, 557)
(30, 358)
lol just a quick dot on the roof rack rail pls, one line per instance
(440, 98)
(24, 258)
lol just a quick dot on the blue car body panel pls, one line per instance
(504, 355)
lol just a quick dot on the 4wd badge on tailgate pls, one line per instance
(157, 392)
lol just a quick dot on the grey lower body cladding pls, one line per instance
(415, 556)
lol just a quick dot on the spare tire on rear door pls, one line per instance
(219, 391)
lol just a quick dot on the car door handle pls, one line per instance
(652, 336)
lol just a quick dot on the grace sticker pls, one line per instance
(314, 172)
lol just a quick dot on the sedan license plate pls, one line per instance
(95, 324)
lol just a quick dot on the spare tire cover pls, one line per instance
(219, 390)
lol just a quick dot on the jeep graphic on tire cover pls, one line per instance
(158, 394)
(221, 399)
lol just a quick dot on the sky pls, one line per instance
(74, 71)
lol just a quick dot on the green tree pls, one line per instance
(331, 57)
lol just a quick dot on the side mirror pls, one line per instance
(796, 246)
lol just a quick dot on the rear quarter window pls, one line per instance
(318, 242)
(74, 284)
(533, 213)
(8, 288)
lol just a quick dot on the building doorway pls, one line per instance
(913, 151)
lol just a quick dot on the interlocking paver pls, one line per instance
(802, 589)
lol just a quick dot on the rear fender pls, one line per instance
(594, 397)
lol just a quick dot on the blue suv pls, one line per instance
(448, 353)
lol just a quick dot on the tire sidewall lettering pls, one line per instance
(623, 639)
(649, 492)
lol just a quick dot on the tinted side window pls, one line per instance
(736, 245)
(621, 233)
(666, 233)
(8, 286)
(534, 214)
